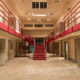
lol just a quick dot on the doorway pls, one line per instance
(2, 51)
(77, 51)
(57, 48)
(11, 50)
(39, 41)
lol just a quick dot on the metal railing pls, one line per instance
(10, 24)
(67, 25)
(8, 19)
(69, 21)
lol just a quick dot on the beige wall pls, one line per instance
(7, 37)
(7, 47)
(71, 43)
(72, 49)
(51, 47)
(62, 48)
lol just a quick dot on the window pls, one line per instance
(49, 25)
(45, 4)
(33, 5)
(38, 25)
(41, 5)
(28, 25)
(37, 4)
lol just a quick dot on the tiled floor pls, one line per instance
(51, 69)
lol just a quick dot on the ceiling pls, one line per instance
(22, 9)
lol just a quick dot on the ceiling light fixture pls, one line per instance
(38, 14)
(48, 20)
(29, 19)
(38, 20)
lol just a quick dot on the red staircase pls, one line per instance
(39, 52)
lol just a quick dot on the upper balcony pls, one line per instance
(70, 23)
(8, 21)
(68, 27)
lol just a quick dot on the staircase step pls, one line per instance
(39, 58)
(39, 53)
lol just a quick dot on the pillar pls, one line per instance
(11, 50)
(2, 51)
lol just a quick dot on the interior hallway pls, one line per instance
(56, 68)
